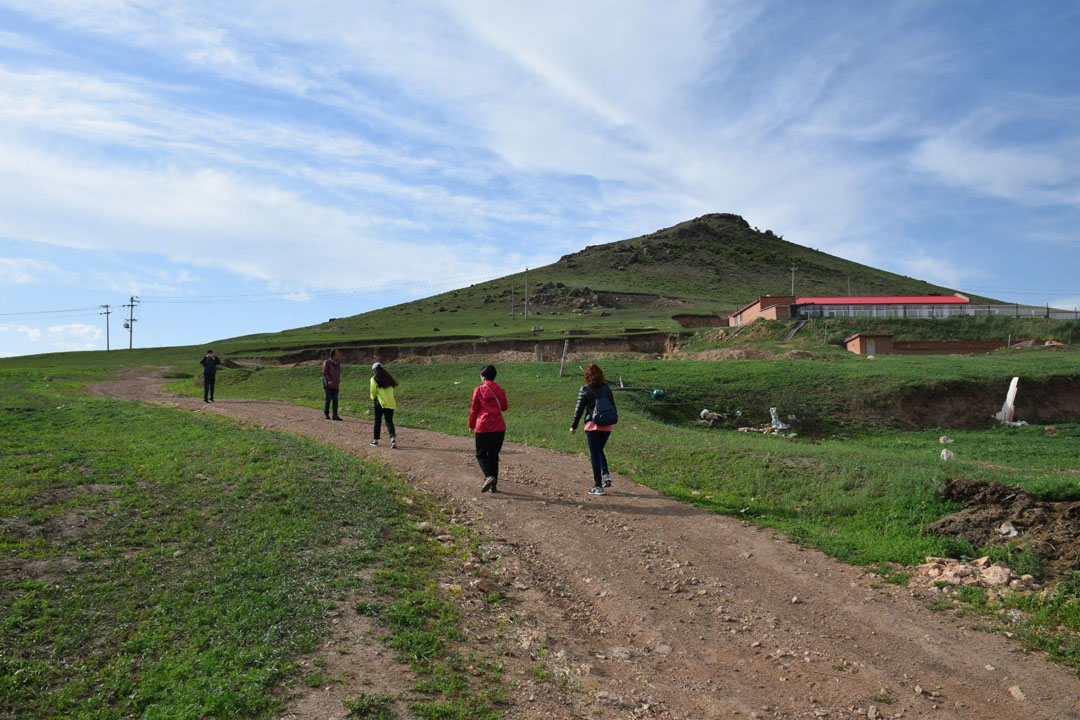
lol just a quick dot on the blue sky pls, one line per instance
(249, 167)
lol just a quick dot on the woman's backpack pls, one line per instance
(604, 412)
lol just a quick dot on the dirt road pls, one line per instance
(659, 609)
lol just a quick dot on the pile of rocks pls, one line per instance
(976, 572)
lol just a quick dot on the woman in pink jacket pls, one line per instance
(486, 421)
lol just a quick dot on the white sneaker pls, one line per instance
(374, 443)
(597, 491)
(393, 443)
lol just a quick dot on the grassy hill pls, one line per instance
(707, 266)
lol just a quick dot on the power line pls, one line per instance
(48, 312)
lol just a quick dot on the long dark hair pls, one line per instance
(382, 378)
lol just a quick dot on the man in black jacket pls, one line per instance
(210, 364)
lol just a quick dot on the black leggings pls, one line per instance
(488, 445)
(208, 380)
(380, 413)
(597, 439)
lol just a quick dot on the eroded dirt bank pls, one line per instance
(663, 610)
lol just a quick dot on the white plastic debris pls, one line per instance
(1008, 409)
(776, 420)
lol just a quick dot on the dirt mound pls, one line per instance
(996, 514)
(738, 353)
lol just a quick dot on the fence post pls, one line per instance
(565, 350)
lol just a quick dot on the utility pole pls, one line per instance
(511, 297)
(130, 324)
(793, 269)
(526, 292)
(849, 287)
(106, 314)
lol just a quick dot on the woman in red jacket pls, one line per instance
(486, 421)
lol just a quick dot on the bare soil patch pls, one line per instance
(997, 514)
(648, 608)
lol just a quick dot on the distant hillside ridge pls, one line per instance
(690, 275)
(721, 257)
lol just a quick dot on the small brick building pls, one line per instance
(769, 307)
(870, 343)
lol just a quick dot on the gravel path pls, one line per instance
(660, 609)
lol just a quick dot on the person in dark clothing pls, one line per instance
(486, 421)
(596, 401)
(331, 382)
(210, 363)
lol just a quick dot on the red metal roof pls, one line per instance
(902, 300)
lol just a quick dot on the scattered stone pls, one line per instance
(990, 668)
(995, 576)
(976, 572)
(1017, 693)
(621, 653)
(795, 600)
(485, 586)
(423, 526)
(945, 440)
(662, 649)
(947, 455)
(1007, 529)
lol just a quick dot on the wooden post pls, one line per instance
(536, 352)
(565, 350)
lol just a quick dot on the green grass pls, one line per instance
(1048, 621)
(864, 497)
(156, 564)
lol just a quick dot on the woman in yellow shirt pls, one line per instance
(382, 393)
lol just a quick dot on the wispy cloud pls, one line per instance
(298, 146)
(74, 336)
(26, 271)
(32, 334)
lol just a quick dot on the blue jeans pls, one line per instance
(597, 439)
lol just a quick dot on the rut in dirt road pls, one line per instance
(705, 615)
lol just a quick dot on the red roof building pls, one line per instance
(786, 307)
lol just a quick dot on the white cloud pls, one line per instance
(32, 334)
(26, 271)
(74, 336)
(1066, 303)
(974, 155)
